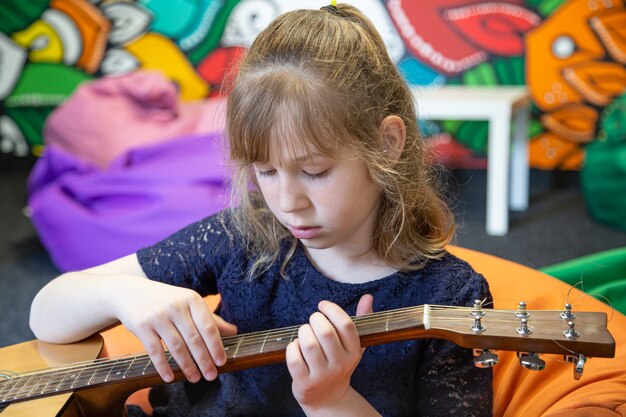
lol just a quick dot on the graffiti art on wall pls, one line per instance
(570, 53)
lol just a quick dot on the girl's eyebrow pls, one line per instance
(310, 156)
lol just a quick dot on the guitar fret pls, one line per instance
(264, 341)
(29, 384)
(139, 366)
(117, 371)
(106, 378)
(60, 385)
(145, 368)
(129, 367)
(84, 376)
(60, 376)
(5, 384)
(50, 379)
(172, 362)
(16, 385)
(237, 348)
(35, 385)
(93, 374)
(10, 386)
(102, 369)
(273, 343)
(76, 378)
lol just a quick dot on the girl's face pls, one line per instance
(325, 202)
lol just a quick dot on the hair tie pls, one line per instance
(332, 9)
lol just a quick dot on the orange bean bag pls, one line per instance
(601, 392)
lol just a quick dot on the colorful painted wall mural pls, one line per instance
(570, 53)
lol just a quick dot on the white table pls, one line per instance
(498, 105)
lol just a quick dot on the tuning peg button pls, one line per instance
(531, 361)
(484, 358)
(579, 364)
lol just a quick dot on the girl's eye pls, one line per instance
(316, 175)
(266, 173)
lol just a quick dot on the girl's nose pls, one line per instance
(292, 197)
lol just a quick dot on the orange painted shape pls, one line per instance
(576, 122)
(597, 82)
(547, 54)
(94, 28)
(611, 28)
(549, 151)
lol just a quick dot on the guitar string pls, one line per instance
(250, 337)
(99, 364)
(143, 358)
(362, 321)
(373, 319)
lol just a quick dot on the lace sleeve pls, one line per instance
(448, 382)
(193, 257)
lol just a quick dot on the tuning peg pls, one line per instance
(579, 364)
(484, 358)
(531, 361)
(567, 314)
(521, 311)
(571, 333)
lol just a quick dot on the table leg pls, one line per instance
(519, 160)
(498, 173)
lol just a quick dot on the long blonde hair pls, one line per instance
(324, 77)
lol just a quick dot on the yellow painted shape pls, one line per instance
(42, 41)
(156, 52)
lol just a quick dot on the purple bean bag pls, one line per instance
(87, 215)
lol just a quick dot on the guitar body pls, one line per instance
(34, 354)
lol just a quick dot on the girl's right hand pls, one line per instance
(179, 317)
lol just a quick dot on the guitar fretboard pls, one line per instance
(103, 371)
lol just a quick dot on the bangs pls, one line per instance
(277, 112)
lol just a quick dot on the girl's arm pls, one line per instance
(78, 304)
(322, 359)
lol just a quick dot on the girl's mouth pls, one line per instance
(305, 232)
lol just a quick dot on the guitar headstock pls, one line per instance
(539, 331)
(528, 332)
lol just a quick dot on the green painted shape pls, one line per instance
(212, 40)
(451, 126)
(43, 84)
(483, 74)
(474, 135)
(509, 71)
(547, 7)
(613, 121)
(16, 15)
(535, 127)
(30, 120)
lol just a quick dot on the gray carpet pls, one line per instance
(555, 228)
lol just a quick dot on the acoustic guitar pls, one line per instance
(99, 387)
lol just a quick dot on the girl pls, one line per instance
(335, 205)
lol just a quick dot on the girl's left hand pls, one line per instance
(323, 357)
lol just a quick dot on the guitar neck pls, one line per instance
(456, 324)
(243, 351)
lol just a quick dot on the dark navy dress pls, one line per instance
(414, 378)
